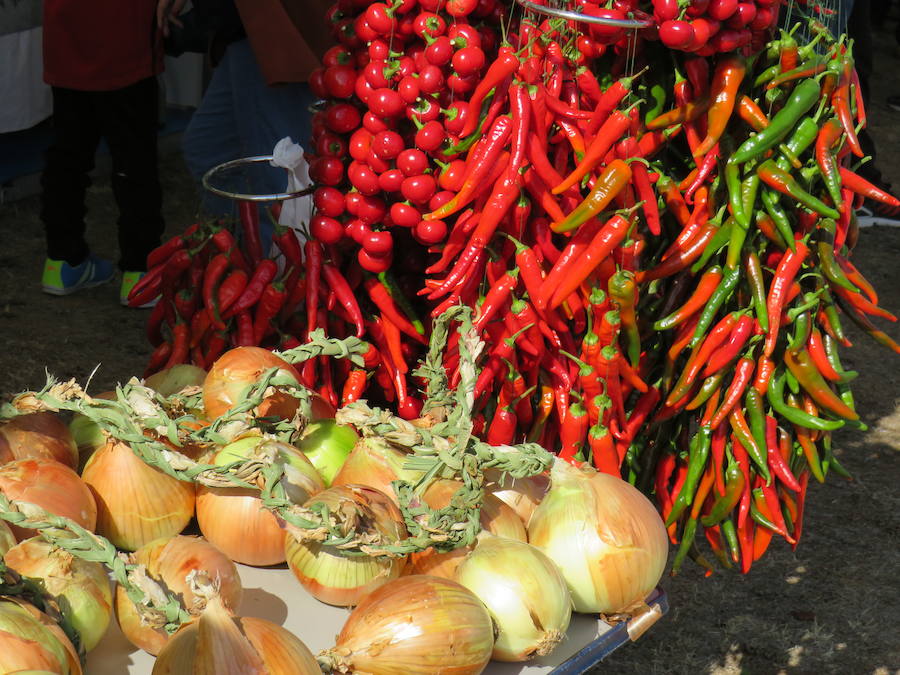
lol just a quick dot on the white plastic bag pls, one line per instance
(294, 212)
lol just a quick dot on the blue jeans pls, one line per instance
(241, 116)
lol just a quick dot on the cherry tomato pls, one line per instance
(374, 74)
(352, 200)
(440, 51)
(336, 56)
(357, 230)
(743, 15)
(665, 10)
(431, 79)
(484, 8)
(764, 19)
(424, 110)
(405, 66)
(676, 34)
(405, 6)
(452, 176)
(412, 162)
(430, 24)
(373, 123)
(418, 189)
(376, 163)
(328, 201)
(373, 264)
(342, 118)
(386, 102)
(328, 143)
(430, 137)
(438, 199)
(363, 178)
(455, 116)
(379, 50)
(325, 229)
(464, 35)
(728, 40)
(408, 88)
(391, 180)
(360, 144)
(460, 8)
(379, 243)
(387, 144)
(603, 33)
(371, 210)
(340, 81)
(317, 83)
(430, 5)
(379, 19)
(430, 232)
(362, 89)
(704, 29)
(720, 10)
(461, 85)
(363, 30)
(697, 8)
(405, 215)
(468, 61)
(326, 170)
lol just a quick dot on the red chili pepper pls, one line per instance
(505, 65)
(354, 386)
(270, 303)
(385, 303)
(675, 203)
(573, 431)
(705, 287)
(742, 376)
(158, 359)
(224, 242)
(249, 214)
(215, 347)
(777, 463)
(752, 114)
(861, 186)
(215, 271)
(181, 334)
(263, 275)
(801, 500)
(609, 101)
(784, 276)
(840, 101)
(727, 79)
(344, 295)
(245, 335)
(698, 358)
(682, 259)
(566, 262)
(286, 240)
(161, 253)
(229, 291)
(720, 358)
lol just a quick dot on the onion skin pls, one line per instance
(415, 625)
(374, 462)
(334, 577)
(327, 444)
(234, 519)
(31, 640)
(522, 495)
(7, 539)
(38, 434)
(80, 585)
(219, 644)
(238, 368)
(172, 380)
(525, 593)
(496, 518)
(170, 561)
(52, 486)
(606, 537)
(136, 503)
(88, 435)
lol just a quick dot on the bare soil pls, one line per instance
(832, 606)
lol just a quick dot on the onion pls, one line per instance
(334, 576)
(87, 434)
(327, 445)
(31, 640)
(172, 380)
(525, 593)
(228, 380)
(52, 486)
(79, 586)
(7, 539)
(522, 495)
(376, 463)
(496, 518)
(169, 561)
(606, 537)
(37, 434)
(234, 518)
(136, 503)
(222, 644)
(412, 625)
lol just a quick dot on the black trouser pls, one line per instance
(127, 119)
(859, 28)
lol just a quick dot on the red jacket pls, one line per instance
(100, 45)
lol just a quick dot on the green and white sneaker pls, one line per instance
(61, 278)
(129, 279)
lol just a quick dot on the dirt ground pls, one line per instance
(831, 607)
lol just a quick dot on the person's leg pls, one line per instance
(211, 136)
(129, 124)
(65, 179)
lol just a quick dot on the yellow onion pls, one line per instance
(38, 434)
(522, 495)
(525, 593)
(169, 562)
(87, 434)
(234, 518)
(375, 462)
(334, 576)
(496, 518)
(172, 380)
(414, 625)
(221, 644)
(7, 539)
(79, 586)
(52, 486)
(136, 503)
(327, 445)
(31, 640)
(605, 536)
(228, 380)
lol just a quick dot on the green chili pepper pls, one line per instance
(804, 136)
(722, 237)
(735, 196)
(831, 313)
(825, 248)
(697, 457)
(757, 288)
(810, 301)
(804, 97)
(724, 504)
(709, 387)
(743, 433)
(802, 327)
(657, 94)
(830, 461)
(757, 515)
(756, 416)
(775, 396)
(723, 292)
(749, 188)
(772, 204)
(780, 180)
(687, 540)
(730, 534)
(834, 359)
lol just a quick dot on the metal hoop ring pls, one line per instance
(575, 16)
(278, 196)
